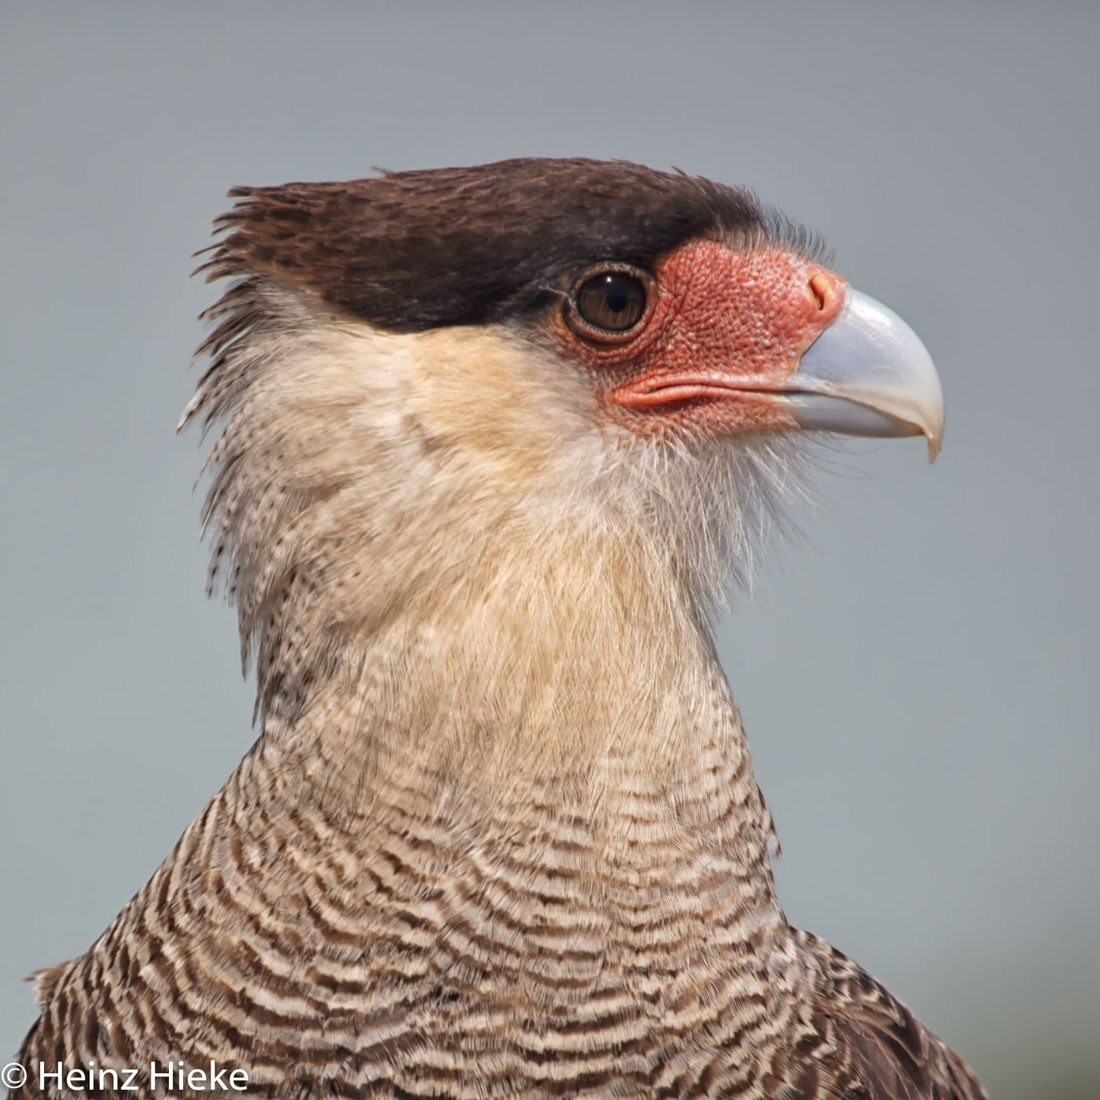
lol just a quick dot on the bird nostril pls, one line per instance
(821, 289)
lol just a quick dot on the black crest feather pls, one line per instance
(409, 251)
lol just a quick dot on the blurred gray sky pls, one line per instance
(918, 675)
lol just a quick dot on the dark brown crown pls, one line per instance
(409, 251)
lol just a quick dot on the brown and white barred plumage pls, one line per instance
(500, 835)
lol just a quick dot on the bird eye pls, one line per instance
(612, 302)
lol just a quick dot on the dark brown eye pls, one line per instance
(613, 301)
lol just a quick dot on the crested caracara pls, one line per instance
(491, 445)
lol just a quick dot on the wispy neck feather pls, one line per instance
(443, 512)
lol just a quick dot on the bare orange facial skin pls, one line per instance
(722, 336)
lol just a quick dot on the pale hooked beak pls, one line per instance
(868, 374)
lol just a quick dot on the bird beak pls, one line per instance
(867, 374)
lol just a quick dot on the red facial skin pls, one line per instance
(722, 335)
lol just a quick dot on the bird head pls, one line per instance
(431, 382)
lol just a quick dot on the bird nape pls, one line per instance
(492, 443)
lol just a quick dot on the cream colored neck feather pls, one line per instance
(449, 566)
(540, 665)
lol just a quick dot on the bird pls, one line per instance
(490, 448)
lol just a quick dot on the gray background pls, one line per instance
(918, 674)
